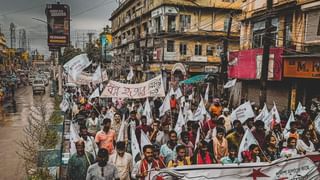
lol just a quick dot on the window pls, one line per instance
(198, 50)
(210, 50)
(170, 46)
(183, 49)
(171, 23)
(185, 22)
(259, 30)
(288, 31)
(225, 25)
(318, 33)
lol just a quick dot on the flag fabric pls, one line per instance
(180, 123)
(299, 109)
(275, 113)
(101, 87)
(246, 141)
(171, 92)
(165, 105)
(76, 65)
(242, 112)
(200, 112)
(230, 84)
(134, 146)
(130, 74)
(287, 128)
(95, 94)
(64, 105)
(206, 95)
(147, 112)
(74, 137)
(317, 123)
(263, 114)
(197, 138)
(144, 140)
(178, 93)
(190, 97)
(97, 75)
(121, 130)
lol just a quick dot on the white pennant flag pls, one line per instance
(64, 105)
(101, 86)
(165, 105)
(171, 92)
(97, 75)
(242, 112)
(230, 83)
(206, 95)
(130, 74)
(299, 109)
(264, 113)
(147, 112)
(287, 128)
(190, 97)
(76, 65)
(180, 123)
(95, 94)
(134, 147)
(200, 112)
(246, 141)
(177, 92)
(275, 113)
(317, 124)
(121, 130)
(144, 140)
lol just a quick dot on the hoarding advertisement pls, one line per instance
(58, 21)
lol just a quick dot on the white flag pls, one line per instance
(134, 146)
(190, 97)
(121, 130)
(206, 95)
(178, 93)
(230, 83)
(147, 112)
(95, 94)
(299, 109)
(264, 113)
(144, 140)
(242, 112)
(275, 113)
(171, 91)
(246, 141)
(74, 137)
(97, 75)
(64, 105)
(200, 112)
(197, 138)
(76, 65)
(130, 74)
(165, 105)
(180, 123)
(317, 124)
(287, 128)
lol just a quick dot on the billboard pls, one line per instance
(58, 21)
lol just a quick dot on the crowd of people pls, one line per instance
(104, 150)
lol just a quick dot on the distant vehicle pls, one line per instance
(31, 78)
(44, 78)
(38, 86)
(47, 73)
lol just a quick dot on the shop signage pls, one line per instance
(302, 68)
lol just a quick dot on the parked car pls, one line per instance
(38, 86)
(44, 78)
(31, 78)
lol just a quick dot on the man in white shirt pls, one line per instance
(90, 145)
(122, 160)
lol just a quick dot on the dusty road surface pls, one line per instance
(11, 131)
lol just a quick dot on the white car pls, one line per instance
(38, 86)
(44, 78)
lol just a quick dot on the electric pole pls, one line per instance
(266, 55)
(224, 62)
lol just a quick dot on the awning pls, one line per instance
(195, 79)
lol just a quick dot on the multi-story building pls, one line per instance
(174, 36)
(295, 38)
(3, 51)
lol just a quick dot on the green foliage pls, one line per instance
(69, 53)
(56, 118)
(50, 140)
(57, 101)
(40, 174)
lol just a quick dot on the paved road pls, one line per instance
(11, 131)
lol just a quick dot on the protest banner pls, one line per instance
(76, 65)
(300, 167)
(86, 78)
(151, 88)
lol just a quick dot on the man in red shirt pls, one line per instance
(173, 102)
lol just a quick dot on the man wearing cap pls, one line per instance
(227, 119)
(106, 137)
(102, 170)
(79, 163)
(122, 160)
(216, 108)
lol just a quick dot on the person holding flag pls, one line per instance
(202, 154)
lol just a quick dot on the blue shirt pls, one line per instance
(167, 153)
(227, 160)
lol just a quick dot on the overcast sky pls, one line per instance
(86, 15)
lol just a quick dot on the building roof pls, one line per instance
(316, 55)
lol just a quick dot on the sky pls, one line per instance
(86, 16)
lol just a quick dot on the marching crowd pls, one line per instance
(110, 131)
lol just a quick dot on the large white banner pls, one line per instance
(85, 78)
(76, 65)
(151, 88)
(282, 169)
